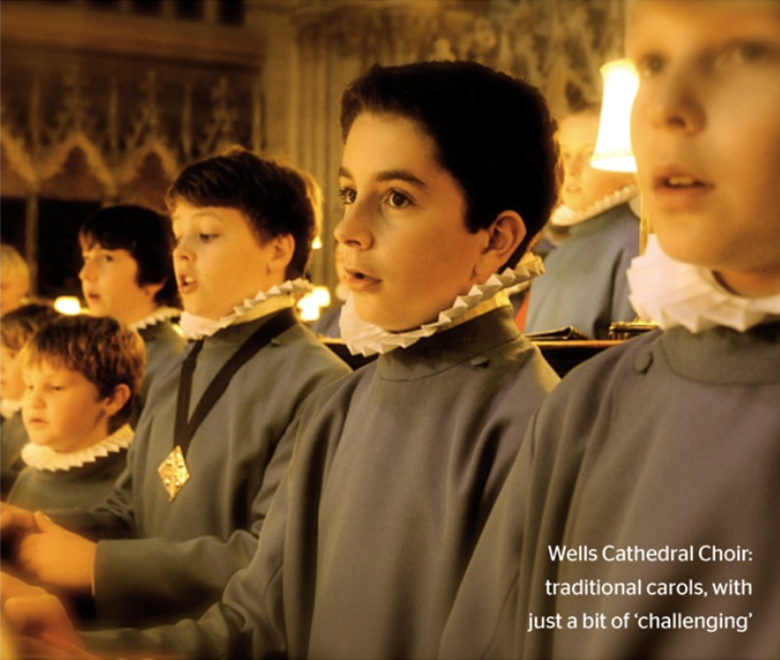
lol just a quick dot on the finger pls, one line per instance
(13, 587)
(38, 614)
(28, 549)
(12, 517)
(44, 650)
(44, 523)
(71, 649)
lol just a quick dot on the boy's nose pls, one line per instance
(182, 251)
(354, 229)
(673, 103)
(86, 271)
(32, 397)
(572, 168)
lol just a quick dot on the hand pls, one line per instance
(14, 519)
(39, 621)
(56, 556)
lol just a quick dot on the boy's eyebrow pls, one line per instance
(198, 214)
(390, 175)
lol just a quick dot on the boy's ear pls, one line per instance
(153, 289)
(503, 238)
(283, 247)
(115, 401)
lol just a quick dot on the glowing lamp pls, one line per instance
(69, 305)
(613, 145)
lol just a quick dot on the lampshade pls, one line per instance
(613, 145)
(69, 305)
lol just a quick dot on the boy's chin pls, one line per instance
(204, 313)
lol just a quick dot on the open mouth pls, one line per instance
(186, 283)
(679, 183)
(359, 281)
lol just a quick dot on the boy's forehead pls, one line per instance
(90, 242)
(711, 16)
(579, 126)
(44, 364)
(186, 211)
(386, 147)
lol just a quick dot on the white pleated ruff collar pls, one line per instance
(9, 407)
(157, 316)
(367, 339)
(46, 459)
(672, 293)
(277, 297)
(563, 216)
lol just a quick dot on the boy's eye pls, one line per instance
(746, 52)
(649, 65)
(207, 238)
(347, 195)
(398, 200)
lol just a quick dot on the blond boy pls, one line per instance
(82, 376)
(16, 328)
(14, 278)
(641, 518)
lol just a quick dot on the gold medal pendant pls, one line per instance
(173, 472)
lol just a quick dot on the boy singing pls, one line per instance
(669, 440)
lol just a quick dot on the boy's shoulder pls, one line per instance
(302, 347)
(668, 365)
(599, 372)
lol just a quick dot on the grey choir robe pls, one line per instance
(671, 440)
(395, 470)
(159, 560)
(162, 343)
(13, 436)
(584, 283)
(83, 486)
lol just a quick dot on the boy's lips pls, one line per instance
(186, 284)
(358, 280)
(676, 187)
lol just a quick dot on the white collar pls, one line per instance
(9, 407)
(673, 293)
(157, 316)
(276, 298)
(563, 216)
(368, 339)
(41, 457)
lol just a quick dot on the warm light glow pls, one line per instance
(316, 243)
(322, 295)
(308, 308)
(613, 146)
(68, 305)
(311, 304)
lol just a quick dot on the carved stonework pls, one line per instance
(124, 101)
(558, 46)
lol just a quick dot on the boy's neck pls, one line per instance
(750, 285)
(139, 313)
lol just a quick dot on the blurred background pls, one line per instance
(104, 101)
